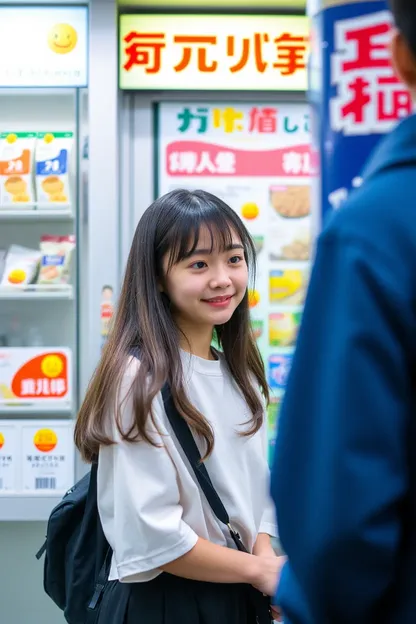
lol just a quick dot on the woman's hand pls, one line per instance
(269, 574)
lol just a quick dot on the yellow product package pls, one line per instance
(56, 259)
(16, 169)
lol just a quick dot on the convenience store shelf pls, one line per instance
(20, 507)
(32, 214)
(59, 291)
(43, 409)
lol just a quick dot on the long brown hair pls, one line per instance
(168, 229)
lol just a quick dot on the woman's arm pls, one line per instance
(218, 564)
(263, 546)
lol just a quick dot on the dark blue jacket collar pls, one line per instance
(397, 149)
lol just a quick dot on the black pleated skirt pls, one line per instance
(172, 600)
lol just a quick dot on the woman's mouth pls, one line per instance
(219, 302)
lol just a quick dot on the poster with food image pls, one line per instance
(287, 286)
(256, 157)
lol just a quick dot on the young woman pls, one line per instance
(174, 563)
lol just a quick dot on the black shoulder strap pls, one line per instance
(188, 444)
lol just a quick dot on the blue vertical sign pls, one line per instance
(355, 96)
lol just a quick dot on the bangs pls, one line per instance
(216, 219)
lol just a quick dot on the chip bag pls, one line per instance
(56, 259)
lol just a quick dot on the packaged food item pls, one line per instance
(47, 456)
(283, 328)
(56, 252)
(21, 266)
(9, 457)
(53, 150)
(16, 169)
(287, 287)
(279, 368)
(35, 375)
(291, 201)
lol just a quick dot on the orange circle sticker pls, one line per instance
(253, 298)
(45, 440)
(250, 211)
(1, 440)
(52, 366)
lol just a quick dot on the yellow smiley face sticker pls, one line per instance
(52, 366)
(62, 38)
(1, 440)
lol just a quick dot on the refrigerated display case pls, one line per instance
(43, 129)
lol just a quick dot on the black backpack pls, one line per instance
(78, 556)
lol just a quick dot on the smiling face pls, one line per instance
(62, 38)
(206, 287)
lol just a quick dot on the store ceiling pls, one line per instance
(224, 4)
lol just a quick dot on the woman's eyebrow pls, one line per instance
(202, 252)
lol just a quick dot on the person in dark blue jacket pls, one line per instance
(344, 479)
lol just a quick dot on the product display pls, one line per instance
(35, 376)
(49, 265)
(36, 457)
(30, 160)
(56, 259)
(52, 168)
(20, 266)
(16, 168)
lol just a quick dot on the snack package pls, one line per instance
(53, 151)
(16, 167)
(21, 266)
(56, 252)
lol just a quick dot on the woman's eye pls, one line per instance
(235, 259)
(198, 265)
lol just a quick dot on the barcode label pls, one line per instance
(45, 483)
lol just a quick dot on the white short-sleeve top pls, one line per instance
(150, 504)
